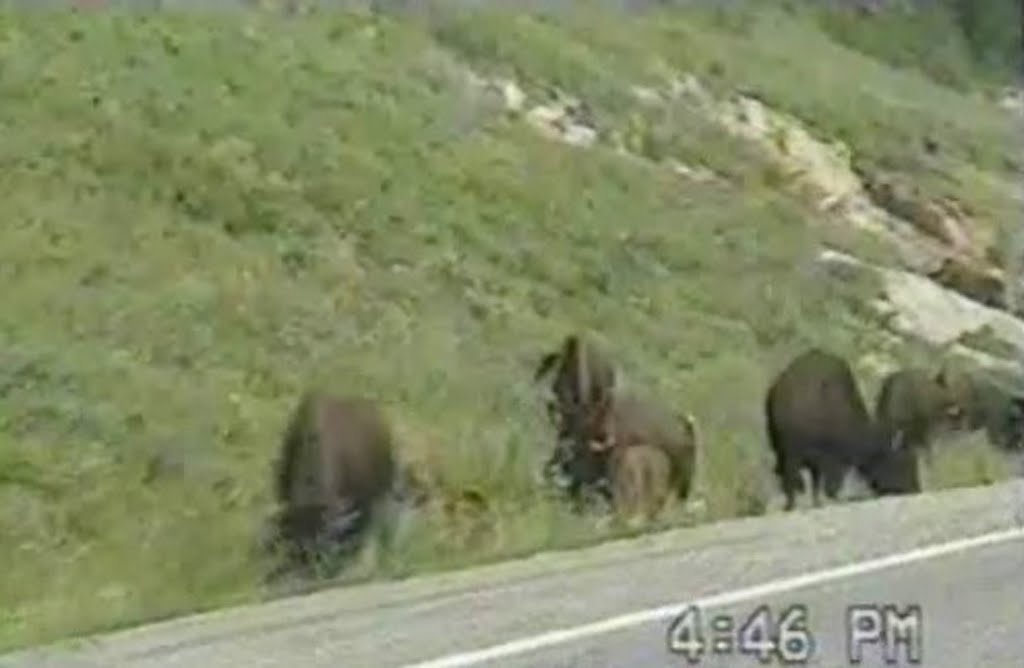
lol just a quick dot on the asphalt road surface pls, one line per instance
(958, 556)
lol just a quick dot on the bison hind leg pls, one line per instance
(790, 489)
(833, 481)
(825, 477)
(816, 485)
(790, 480)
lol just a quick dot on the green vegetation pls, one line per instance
(203, 215)
(961, 43)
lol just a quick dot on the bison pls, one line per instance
(336, 464)
(817, 420)
(596, 459)
(916, 404)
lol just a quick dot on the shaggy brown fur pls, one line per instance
(336, 463)
(629, 423)
(917, 404)
(632, 421)
(640, 481)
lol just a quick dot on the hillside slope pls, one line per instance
(204, 215)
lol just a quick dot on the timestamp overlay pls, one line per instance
(784, 635)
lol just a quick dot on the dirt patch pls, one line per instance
(944, 219)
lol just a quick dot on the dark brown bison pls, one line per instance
(817, 420)
(582, 385)
(916, 404)
(336, 464)
(590, 460)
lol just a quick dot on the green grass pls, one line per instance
(962, 43)
(927, 40)
(204, 215)
(964, 460)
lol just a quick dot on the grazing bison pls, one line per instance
(582, 386)
(335, 465)
(817, 420)
(595, 459)
(915, 404)
(582, 473)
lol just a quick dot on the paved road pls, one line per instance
(971, 614)
(611, 605)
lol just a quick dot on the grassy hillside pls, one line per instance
(203, 215)
(960, 43)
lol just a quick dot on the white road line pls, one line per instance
(639, 617)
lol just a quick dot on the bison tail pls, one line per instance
(778, 447)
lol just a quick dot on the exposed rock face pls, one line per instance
(1012, 100)
(944, 219)
(564, 119)
(915, 306)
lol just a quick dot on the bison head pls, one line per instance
(892, 466)
(577, 470)
(953, 393)
(1010, 431)
(1017, 421)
